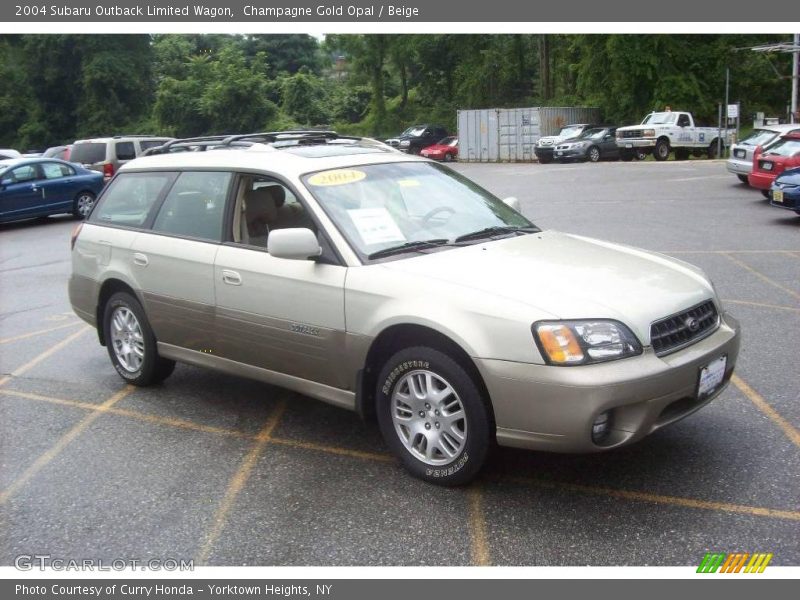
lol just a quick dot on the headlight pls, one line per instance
(584, 342)
(649, 133)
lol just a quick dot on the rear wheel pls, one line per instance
(662, 149)
(743, 178)
(433, 417)
(641, 154)
(593, 154)
(626, 155)
(82, 205)
(131, 344)
(712, 149)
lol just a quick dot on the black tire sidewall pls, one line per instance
(469, 461)
(148, 371)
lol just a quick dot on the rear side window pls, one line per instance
(195, 206)
(88, 153)
(147, 144)
(125, 151)
(53, 170)
(130, 198)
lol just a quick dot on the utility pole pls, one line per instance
(727, 117)
(795, 57)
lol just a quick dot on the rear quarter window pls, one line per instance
(130, 198)
(89, 153)
(125, 151)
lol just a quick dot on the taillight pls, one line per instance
(108, 171)
(75, 233)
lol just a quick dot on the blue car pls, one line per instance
(38, 187)
(785, 190)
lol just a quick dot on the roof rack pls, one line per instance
(139, 135)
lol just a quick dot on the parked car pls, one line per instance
(6, 153)
(545, 146)
(445, 149)
(782, 154)
(417, 137)
(393, 286)
(38, 187)
(785, 190)
(593, 145)
(742, 153)
(108, 154)
(60, 152)
(663, 132)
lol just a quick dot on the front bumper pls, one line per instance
(543, 151)
(570, 153)
(623, 143)
(552, 408)
(791, 199)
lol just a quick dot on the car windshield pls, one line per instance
(759, 137)
(88, 153)
(383, 206)
(786, 147)
(659, 118)
(593, 133)
(570, 131)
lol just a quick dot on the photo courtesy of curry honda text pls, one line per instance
(389, 284)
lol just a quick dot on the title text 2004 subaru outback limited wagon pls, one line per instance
(391, 285)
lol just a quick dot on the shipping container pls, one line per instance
(509, 134)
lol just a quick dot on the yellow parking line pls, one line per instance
(44, 355)
(373, 456)
(791, 432)
(238, 481)
(761, 276)
(62, 443)
(25, 336)
(791, 515)
(133, 414)
(761, 305)
(477, 527)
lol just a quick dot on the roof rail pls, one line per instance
(139, 135)
(274, 136)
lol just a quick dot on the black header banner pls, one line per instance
(409, 11)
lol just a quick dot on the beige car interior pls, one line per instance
(262, 206)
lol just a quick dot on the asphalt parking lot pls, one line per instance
(232, 472)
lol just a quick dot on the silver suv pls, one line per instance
(108, 154)
(391, 285)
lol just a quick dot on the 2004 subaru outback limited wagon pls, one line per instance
(393, 286)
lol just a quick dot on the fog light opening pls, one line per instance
(601, 428)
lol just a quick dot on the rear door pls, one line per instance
(58, 185)
(279, 314)
(173, 263)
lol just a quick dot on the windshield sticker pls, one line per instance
(376, 225)
(336, 177)
(408, 182)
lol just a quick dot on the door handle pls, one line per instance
(231, 277)
(140, 259)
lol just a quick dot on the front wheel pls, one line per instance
(131, 344)
(593, 154)
(448, 157)
(433, 416)
(82, 205)
(661, 151)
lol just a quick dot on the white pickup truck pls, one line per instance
(663, 132)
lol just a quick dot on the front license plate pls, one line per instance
(629, 145)
(559, 153)
(711, 377)
(777, 196)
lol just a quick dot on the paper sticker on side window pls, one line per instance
(336, 177)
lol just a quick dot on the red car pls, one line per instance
(775, 159)
(445, 149)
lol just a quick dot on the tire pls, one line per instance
(436, 451)
(662, 150)
(131, 344)
(641, 154)
(765, 193)
(743, 179)
(593, 154)
(626, 155)
(448, 157)
(82, 204)
(681, 154)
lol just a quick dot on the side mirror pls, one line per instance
(512, 202)
(294, 244)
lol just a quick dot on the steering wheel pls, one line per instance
(435, 211)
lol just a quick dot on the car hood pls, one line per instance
(569, 277)
(789, 177)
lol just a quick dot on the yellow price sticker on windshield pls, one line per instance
(336, 177)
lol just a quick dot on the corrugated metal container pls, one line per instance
(509, 134)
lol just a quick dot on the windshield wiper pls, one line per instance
(495, 230)
(408, 247)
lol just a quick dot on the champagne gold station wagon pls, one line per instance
(391, 285)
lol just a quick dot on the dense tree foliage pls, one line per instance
(57, 88)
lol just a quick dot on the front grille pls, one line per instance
(677, 331)
(635, 133)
